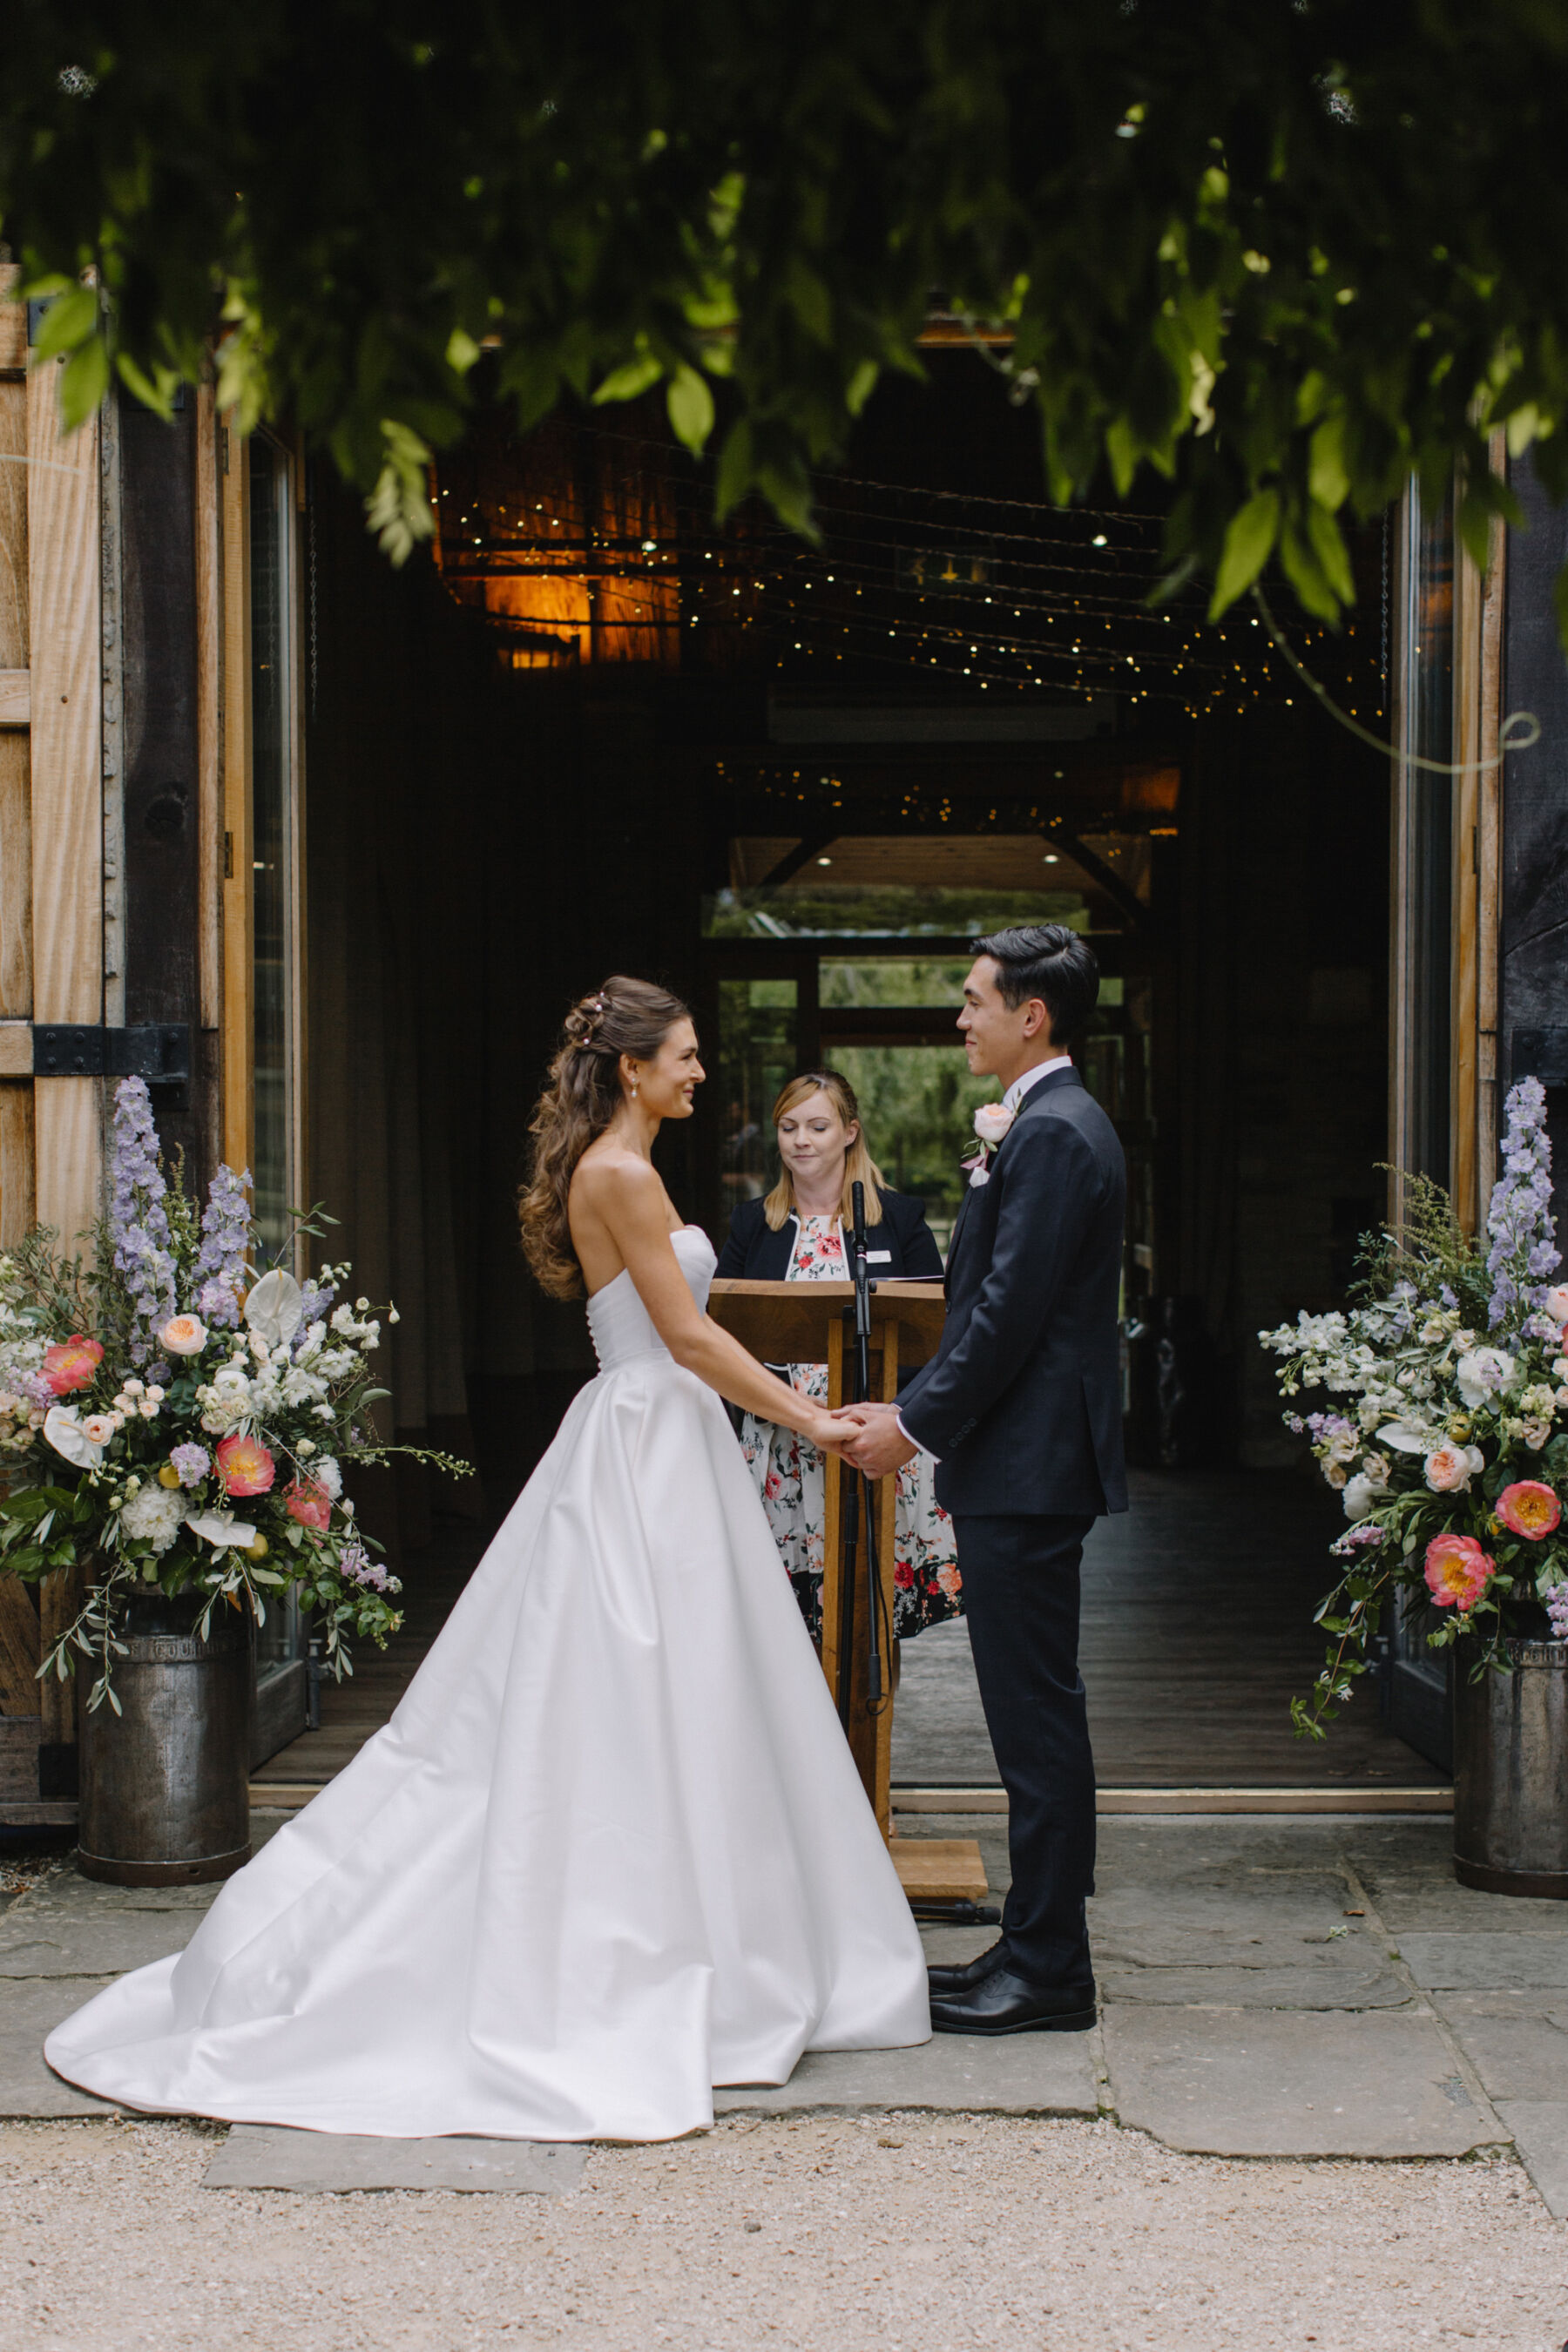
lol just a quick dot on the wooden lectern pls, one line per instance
(813, 1323)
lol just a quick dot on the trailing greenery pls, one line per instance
(1280, 251)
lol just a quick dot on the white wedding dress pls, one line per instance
(610, 1851)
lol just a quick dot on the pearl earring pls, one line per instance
(634, 1090)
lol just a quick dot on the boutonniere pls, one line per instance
(992, 1121)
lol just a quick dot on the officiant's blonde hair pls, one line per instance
(859, 1168)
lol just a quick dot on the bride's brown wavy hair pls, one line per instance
(624, 1016)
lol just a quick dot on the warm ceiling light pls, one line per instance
(1051, 858)
(824, 861)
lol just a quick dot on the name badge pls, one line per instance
(879, 1258)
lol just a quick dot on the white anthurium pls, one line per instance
(276, 1308)
(1404, 1438)
(221, 1529)
(64, 1432)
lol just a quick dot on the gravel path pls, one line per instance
(829, 2235)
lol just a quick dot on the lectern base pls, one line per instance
(939, 1870)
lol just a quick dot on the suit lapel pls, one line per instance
(1033, 1101)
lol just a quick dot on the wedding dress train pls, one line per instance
(610, 1851)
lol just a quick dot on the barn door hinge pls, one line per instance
(158, 1051)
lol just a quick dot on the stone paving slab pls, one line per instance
(1228, 2082)
(65, 1942)
(1540, 2130)
(1486, 1961)
(1016, 2074)
(1517, 2042)
(29, 2011)
(274, 2156)
(1361, 1981)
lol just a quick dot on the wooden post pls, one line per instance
(16, 1188)
(18, 1613)
(66, 779)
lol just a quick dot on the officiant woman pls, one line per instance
(796, 1234)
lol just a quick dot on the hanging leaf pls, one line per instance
(691, 406)
(1248, 543)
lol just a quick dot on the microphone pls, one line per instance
(857, 1204)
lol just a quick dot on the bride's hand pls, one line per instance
(831, 1435)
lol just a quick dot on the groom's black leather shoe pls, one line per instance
(1003, 2004)
(945, 1981)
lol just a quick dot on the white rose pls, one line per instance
(1483, 1373)
(154, 1516)
(1335, 1473)
(1360, 1495)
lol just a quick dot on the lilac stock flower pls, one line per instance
(1557, 1610)
(138, 1223)
(1523, 1249)
(226, 1241)
(355, 1564)
(193, 1462)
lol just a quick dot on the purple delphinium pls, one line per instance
(226, 1240)
(193, 1462)
(1522, 1250)
(138, 1223)
(315, 1303)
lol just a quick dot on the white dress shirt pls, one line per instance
(1010, 1101)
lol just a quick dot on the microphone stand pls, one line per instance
(861, 1497)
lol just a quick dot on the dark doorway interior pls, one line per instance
(599, 733)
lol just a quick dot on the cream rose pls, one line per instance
(185, 1335)
(1448, 1469)
(992, 1121)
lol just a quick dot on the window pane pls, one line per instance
(917, 1109)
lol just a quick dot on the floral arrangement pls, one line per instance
(1448, 1443)
(170, 1416)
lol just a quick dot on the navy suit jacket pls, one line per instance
(1022, 1402)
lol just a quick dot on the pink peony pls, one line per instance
(1457, 1571)
(308, 1503)
(244, 1466)
(1529, 1508)
(70, 1364)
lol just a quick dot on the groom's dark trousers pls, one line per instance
(1022, 1406)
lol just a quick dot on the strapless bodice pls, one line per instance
(620, 1324)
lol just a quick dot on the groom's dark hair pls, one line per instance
(1046, 960)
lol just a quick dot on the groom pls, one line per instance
(1021, 1405)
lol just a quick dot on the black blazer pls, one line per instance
(903, 1244)
(1022, 1402)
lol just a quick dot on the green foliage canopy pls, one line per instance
(1280, 251)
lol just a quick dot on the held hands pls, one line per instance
(870, 1439)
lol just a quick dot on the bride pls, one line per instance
(611, 1850)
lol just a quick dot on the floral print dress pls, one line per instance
(789, 1473)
